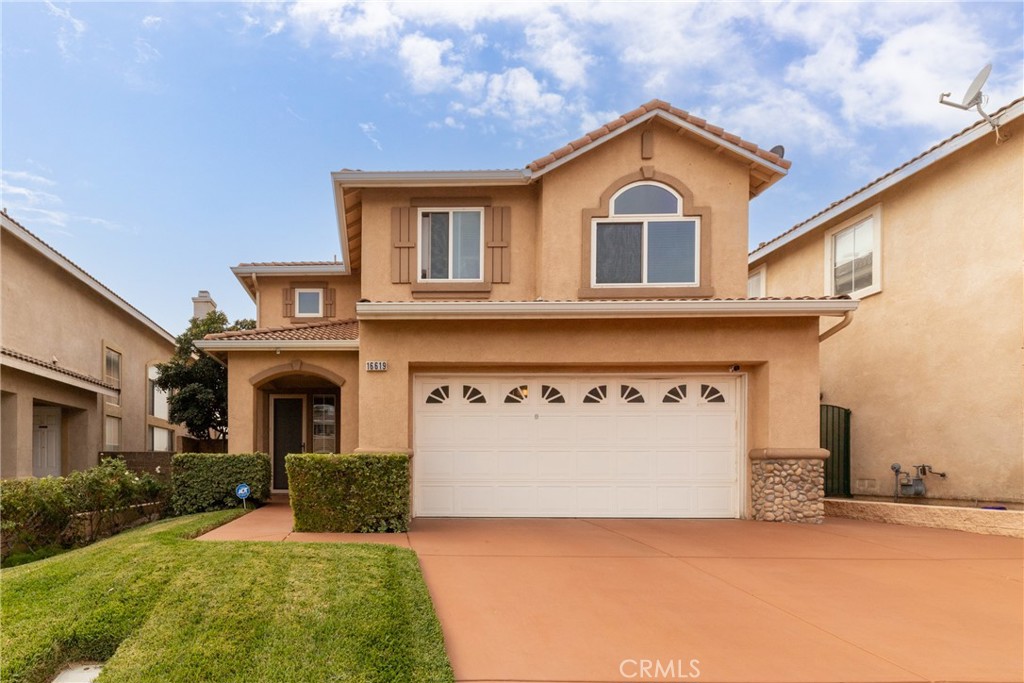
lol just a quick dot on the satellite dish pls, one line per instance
(974, 98)
(974, 91)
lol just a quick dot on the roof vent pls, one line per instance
(779, 151)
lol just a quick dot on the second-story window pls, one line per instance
(309, 303)
(646, 240)
(112, 373)
(451, 244)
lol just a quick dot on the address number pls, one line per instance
(376, 366)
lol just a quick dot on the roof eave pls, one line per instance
(776, 171)
(871, 192)
(484, 310)
(89, 281)
(55, 375)
(490, 178)
(214, 345)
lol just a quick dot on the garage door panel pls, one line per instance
(634, 465)
(674, 464)
(516, 500)
(556, 464)
(518, 464)
(576, 446)
(475, 465)
(596, 500)
(716, 465)
(635, 501)
(516, 430)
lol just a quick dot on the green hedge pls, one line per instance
(207, 481)
(37, 514)
(349, 493)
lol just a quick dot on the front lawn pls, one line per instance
(162, 608)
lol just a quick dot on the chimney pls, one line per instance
(202, 304)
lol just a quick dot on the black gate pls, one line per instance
(835, 436)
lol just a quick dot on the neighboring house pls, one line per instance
(931, 365)
(569, 339)
(77, 365)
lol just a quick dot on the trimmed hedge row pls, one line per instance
(206, 481)
(47, 512)
(349, 493)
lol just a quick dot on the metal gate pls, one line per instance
(835, 436)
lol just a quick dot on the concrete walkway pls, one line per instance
(645, 600)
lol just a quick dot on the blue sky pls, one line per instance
(158, 144)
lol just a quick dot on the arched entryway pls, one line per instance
(299, 408)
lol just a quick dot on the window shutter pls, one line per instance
(329, 303)
(403, 242)
(499, 235)
(288, 297)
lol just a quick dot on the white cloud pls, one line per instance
(517, 95)
(24, 199)
(152, 21)
(369, 129)
(70, 31)
(144, 52)
(424, 63)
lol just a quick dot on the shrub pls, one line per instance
(347, 493)
(206, 481)
(74, 510)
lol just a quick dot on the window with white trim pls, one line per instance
(756, 282)
(158, 407)
(111, 433)
(112, 373)
(309, 303)
(451, 245)
(852, 256)
(645, 240)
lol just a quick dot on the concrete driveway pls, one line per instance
(684, 600)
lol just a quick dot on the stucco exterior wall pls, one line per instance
(248, 403)
(271, 304)
(376, 238)
(46, 313)
(716, 181)
(780, 362)
(932, 366)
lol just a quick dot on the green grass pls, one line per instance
(161, 608)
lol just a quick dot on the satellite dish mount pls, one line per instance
(974, 98)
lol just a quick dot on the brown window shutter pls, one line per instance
(329, 303)
(403, 242)
(499, 236)
(288, 297)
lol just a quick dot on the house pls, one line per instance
(77, 365)
(568, 339)
(931, 366)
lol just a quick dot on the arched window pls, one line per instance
(645, 240)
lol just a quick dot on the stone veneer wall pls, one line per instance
(788, 485)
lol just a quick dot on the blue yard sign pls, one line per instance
(243, 491)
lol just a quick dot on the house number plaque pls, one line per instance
(376, 366)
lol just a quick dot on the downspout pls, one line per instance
(847, 319)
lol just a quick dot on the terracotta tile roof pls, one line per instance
(55, 368)
(263, 264)
(904, 165)
(654, 105)
(332, 330)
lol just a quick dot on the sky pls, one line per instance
(158, 144)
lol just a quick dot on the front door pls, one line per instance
(46, 441)
(287, 436)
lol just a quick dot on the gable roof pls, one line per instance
(34, 242)
(766, 167)
(36, 366)
(933, 154)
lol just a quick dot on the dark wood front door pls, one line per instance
(288, 430)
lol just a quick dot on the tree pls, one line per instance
(197, 385)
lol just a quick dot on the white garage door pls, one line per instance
(585, 446)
